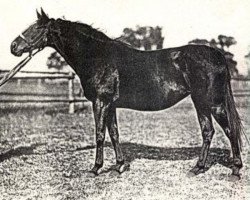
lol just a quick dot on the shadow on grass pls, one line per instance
(41, 108)
(134, 151)
(19, 151)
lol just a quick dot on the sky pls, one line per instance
(181, 20)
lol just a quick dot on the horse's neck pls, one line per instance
(84, 54)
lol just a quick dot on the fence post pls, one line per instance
(71, 93)
(39, 82)
(18, 82)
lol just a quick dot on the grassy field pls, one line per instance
(46, 154)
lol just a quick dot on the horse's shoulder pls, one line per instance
(104, 82)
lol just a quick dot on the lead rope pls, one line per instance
(21, 64)
(18, 67)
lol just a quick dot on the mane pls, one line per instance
(86, 30)
(89, 31)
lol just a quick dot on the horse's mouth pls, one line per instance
(21, 52)
(17, 53)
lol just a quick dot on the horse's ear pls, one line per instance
(38, 14)
(43, 17)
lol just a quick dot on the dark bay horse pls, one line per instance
(114, 75)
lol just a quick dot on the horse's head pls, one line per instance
(34, 37)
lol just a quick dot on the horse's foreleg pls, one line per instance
(121, 166)
(100, 109)
(205, 120)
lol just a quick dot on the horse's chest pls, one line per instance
(103, 84)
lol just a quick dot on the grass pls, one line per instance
(46, 154)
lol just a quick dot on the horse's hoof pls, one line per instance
(114, 173)
(234, 178)
(94, 172)
(195, 171)
(122, 168)
(190, 174)
(91, 174)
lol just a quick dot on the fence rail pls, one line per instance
(241, 88)
(27, 75)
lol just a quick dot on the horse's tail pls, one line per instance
(235, 124)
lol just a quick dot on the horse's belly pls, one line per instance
(153, 99)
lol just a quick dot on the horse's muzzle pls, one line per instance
(14, 49)
(17, 53)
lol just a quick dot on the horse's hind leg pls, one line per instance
(121, 166)
(205, 120)
(220, 114)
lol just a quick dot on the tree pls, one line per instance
(222, 42)
(213, 43)
(56, 61)
(129, 37)
(226, 41)
(232, 64)
(143, 37)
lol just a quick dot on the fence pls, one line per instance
(241, 88)
(40, 76)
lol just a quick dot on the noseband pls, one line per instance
(41, 37)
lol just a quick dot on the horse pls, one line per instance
(115, 75)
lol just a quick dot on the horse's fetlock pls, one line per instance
(200, 164)
(98, 165)
(237, 162)
(120, 162)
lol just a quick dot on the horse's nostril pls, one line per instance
(14, 45)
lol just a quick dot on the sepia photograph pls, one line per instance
(124, 100)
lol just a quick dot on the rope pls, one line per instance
(17, 68)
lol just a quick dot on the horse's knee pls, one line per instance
(115, 137)
(207, 135)
(113, 132)
(100, 137)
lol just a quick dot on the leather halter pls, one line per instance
(41, 37)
